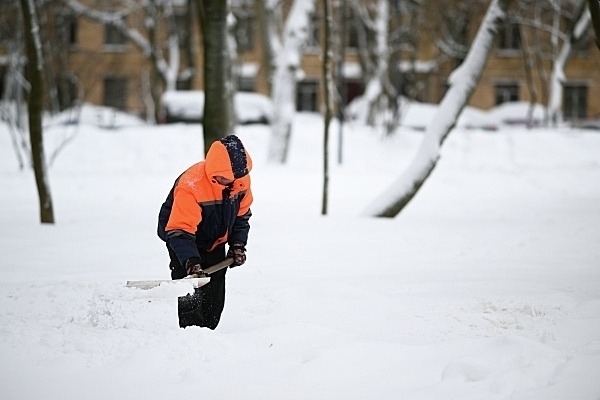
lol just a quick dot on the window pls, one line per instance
(506, 92)
(581, 46)
(244, 32)
(115, 92)
(246, 84)
(575, 101)
(113, 36)
(70, 29)
(3, 72)
(349, 28)
(313, 41)
(509, 37)
(351, 37)
(182, 22)
(306, 96)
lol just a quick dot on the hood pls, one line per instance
(227, 157)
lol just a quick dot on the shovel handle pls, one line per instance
(213, 268)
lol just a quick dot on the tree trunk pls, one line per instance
(595, 12)
(528, 68)
(328, 83)
(217, 120)
(35, 107)
(463, 82)
(557, 78)
(265, 20)
(287, 64)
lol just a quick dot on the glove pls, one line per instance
(237, 251)
(192, 266)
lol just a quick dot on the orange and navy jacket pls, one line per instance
(199, 214)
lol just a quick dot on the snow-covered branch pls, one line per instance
(463, 82)
(168, 69)
(558, 68)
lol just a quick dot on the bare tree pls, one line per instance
(379, 58)
(35, 71)
(328, 89)
(164, 69)
(595, 13)
(286, 45)
(463, 82)
(217, 119)
(266, 20)
(573, 33)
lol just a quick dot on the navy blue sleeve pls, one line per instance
(241, 227)
(183, 244)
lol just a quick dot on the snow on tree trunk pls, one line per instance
(35, 68)
(374, 92)
(377, 58)
(557, 78)
(463, 82)
(328, 82)
(287, 66)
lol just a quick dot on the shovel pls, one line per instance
(198, 279)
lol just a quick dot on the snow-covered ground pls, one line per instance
(486, 287)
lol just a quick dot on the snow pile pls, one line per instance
(417, 116)
(485, 287)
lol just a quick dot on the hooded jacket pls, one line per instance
(199, 214)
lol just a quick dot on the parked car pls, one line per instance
(188, 106)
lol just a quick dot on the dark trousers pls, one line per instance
(205, 305)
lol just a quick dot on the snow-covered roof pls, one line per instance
(248, 70)
(352, 70)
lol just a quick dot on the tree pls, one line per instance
(595, 13)
(11, 103)
(164, 70)
(35, 100)
(463, 82)
(286, 48)
(573, 33)
(328, 83)
(379, 59)
(218, 118)
(266, 20)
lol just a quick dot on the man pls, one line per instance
(208, 207)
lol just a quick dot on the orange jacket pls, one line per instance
(199, 214)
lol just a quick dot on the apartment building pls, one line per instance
(105, 68)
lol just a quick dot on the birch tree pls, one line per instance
(286, 46)
(329, 83)
(35, 100)
(557, 78)
(463, 82)
(378, 63)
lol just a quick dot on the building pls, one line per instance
(106, 68)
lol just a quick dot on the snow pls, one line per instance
(485, 287)
(188, 105)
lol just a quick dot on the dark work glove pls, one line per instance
(192, 266)
(237, 251)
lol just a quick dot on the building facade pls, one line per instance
(106, 68)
